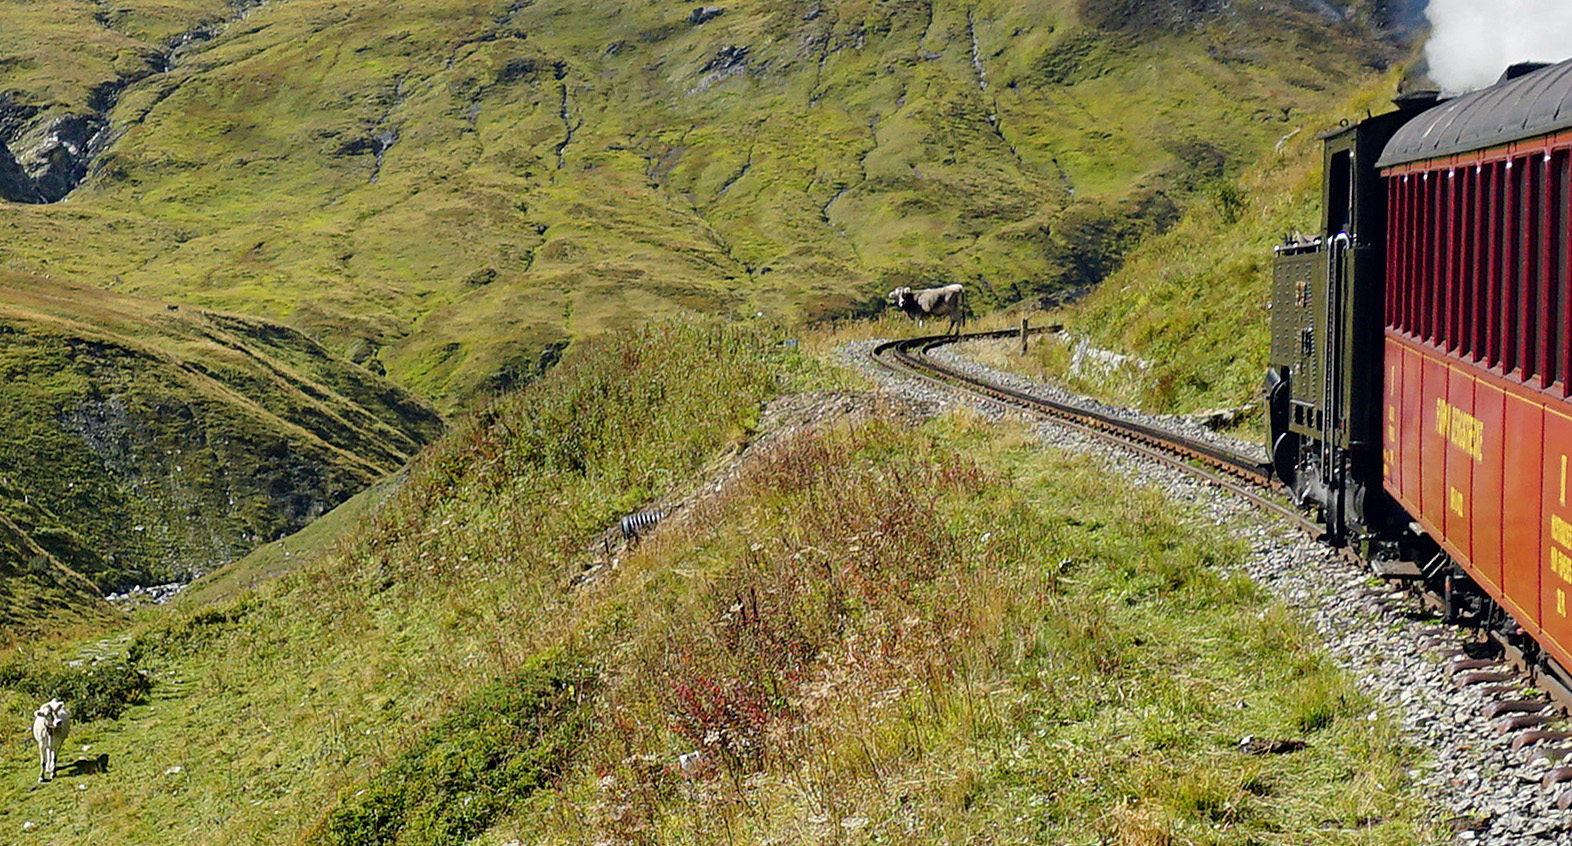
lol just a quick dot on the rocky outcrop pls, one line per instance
(14, 184)
(54, 153)
(47, 150)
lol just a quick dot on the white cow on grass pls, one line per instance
(51, 724)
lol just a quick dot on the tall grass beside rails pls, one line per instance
(271, 710)
(877, 637)
(871, 634)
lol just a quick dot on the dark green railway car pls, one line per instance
(1324, 377)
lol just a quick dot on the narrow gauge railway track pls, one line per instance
(1248, 478)
(1238, 473)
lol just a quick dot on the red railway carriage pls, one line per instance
(1476, 414)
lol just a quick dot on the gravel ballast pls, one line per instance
(1477, 782)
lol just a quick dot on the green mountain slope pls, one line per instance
(869, 632)
(147, 442)
(1192, 302)
(39, 592)
(445, 188)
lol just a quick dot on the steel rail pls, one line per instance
(1245, 477)
(1224, 468)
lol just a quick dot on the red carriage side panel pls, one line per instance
(1391, 455)
(1458, 421)
(1477, 425)
(1410, 427)
(1432, 440)
(1556, 526)
(1466, 447)
(1522, 459)
(1490, 408)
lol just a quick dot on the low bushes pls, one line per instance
(504, 742)
(95, 690)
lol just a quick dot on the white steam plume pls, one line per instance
(1472, 42)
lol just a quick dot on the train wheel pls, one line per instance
(1285, 460)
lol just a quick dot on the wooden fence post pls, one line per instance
(1023, 336)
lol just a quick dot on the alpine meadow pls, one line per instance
(363, 324)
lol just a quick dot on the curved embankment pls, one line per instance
(1496, 771)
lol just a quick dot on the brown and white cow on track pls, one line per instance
(948, 301)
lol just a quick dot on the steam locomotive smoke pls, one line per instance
(1472, 42)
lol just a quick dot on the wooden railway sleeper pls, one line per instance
(1549, 754)
(1515, 706)
(1519, 722)
(1537, 736)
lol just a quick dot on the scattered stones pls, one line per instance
(154, 594)
(727, 58)
(1222, 418)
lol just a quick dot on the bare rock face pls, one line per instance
(15, 118)
(47, 150)
(14, 184)
(45, 153)
(56, 154)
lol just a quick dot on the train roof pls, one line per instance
(1533, 104)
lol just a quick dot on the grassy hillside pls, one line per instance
(1192, 302)
(39, 590)
(443, 188)
(145, 442)
(447, 192)
(869, 633)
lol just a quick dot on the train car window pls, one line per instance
(1446, 187)
(1409, 255)
(1395, 255)
(1560, 334)
(1472, 243)
(1464, 294)
(1339, 192)
(1415, 271)
(1422, 255)
(1436, 280)
(1531, 218)
(1492, 265)
(1544, 308)
(1427, 257)
(1508, 266)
